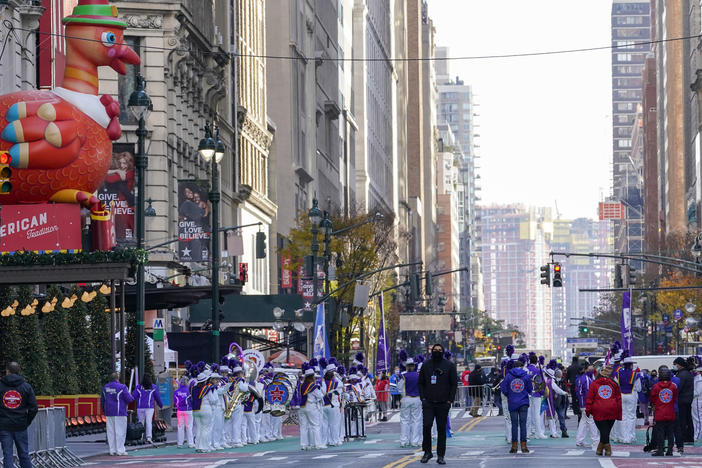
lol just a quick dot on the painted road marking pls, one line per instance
(276, 458)
(221, 462)
(260, 454)
(372, 455)
(620, 454)
(129, 462)
(395, 418)
(575, 453)
(473, 453)
(455, 413)
(323, 457)
(606, 463)
(374, 441)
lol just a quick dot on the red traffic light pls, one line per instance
(556, 268)
(4, 158)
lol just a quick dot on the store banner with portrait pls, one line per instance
(117, 192)
(194, 227)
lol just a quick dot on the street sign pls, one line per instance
(665, 318)
(158, 329)
(583, 343)
(677, 314)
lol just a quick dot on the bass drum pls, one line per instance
(279, 393)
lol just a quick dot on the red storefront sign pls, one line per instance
(45, 227)
(285, 272)
(612, 210)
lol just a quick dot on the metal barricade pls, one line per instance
(354, 422)
(47, 440)
(477, 399)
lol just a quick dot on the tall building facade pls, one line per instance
(631, 33)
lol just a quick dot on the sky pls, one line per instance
(544, 122)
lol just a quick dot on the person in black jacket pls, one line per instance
(476, 380)
(18, 406)
(438, 382)
(572, 373)
(685, 395)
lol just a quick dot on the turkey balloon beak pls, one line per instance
(124, 55)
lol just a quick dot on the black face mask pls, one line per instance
(437, 355)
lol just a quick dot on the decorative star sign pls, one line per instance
(277, 395)
(186, 252)
(308, 305)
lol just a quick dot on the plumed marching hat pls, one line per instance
(95, 12)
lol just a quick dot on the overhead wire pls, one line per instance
(622, 47)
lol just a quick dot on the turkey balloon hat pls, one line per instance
(59, 141)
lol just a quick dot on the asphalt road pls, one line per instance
(476, 442)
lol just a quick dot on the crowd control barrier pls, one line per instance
(47, 440)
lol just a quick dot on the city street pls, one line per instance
(474, 441)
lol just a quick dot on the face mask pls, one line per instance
(437, 355)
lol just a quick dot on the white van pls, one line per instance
(652, 362)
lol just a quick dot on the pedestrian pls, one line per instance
(465, 380)
(476, 382)
(604, 404)
(517, 386)
(586, 423)
(663, 397)
(560, 401)
(574, 371)
(382, 388)
(114, 399)
(644, 394)
(394, 392)
(438, 382)
(697, 402)
(505, 366)
(410, 406)
(146, 396)
(184, 412)
(535, 422)
(677, 429)
(686, 393)
(18, 407)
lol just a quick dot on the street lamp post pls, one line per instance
(212, 150)
(315, 215)
(296, 325)
(141, 106)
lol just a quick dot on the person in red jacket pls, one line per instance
(604, 404)
(382, 389)
(663, 397)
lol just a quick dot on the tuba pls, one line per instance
(236, 396)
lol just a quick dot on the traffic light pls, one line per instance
(628, 276)
(557, 280)
(260, 245)
(488, 332)
(5, 173)
(415, 284)
(618, 281)
(546, 274)
(428, 284)
(584, 329)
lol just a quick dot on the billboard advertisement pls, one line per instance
(193, 221)
(117, 192)
(42, 228)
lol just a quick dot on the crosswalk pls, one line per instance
(456, 413)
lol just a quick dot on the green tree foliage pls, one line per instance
(30, 345)
(131, 351)
(59, 347)
(100, 331)
(83, 347)
(8, 330)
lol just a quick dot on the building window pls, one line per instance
(126, 84)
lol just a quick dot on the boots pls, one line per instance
(564, 434)
(514, 448)
(524, 448)
(600, 447)
(608, 450)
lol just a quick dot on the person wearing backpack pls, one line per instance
(644, 394)
(663, 397)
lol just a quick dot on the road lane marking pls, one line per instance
(455, 413)
(372, 455)
(323, 457)
(606, 463)
(260, 454)
(220, 463)
(620, 454)
(473, 453)
(276, 458)
(575, 453)
(374, 441)
(395, 418)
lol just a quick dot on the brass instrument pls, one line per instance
(236, 396)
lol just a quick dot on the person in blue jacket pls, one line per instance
(517, 387)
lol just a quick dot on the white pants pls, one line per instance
(218, 439)
(535, 420)
(277, 425)
(627, 426)
(697, 417)
(587, 424)
(252, 436)
(234, 426)
(185, 427)
(310, 427)
(266, 427)
(116, 434)
(553, 427)
(203, 427)
(146, 416)
(330, 434)
(508, 420)
(410, 421)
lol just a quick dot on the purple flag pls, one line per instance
(381, 361)
(627, 335)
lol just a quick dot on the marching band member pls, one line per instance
(629, 384)
(535, 420)
(147, 396)
(114, 399)
(219, 435)
(215, 402)
(617, 356)
(582, 385)
(265, 418)
(184, 406)
(341, 372)
(310, 415)
(251, 408)
(236, 422)
(202, 411)
(506, 365)
(410, 406)
(552, 389)
(331, 388)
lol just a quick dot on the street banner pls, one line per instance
(627, 335)
(43, 228)
(383, 353)
(193, 221)
(321, 343)
(285, 272)
(117, 192)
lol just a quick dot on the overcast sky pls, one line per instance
(544, 122)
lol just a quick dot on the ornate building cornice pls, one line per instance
(144, 21)
(259, 136)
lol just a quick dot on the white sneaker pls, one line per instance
(121, 454)
(320, 447)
